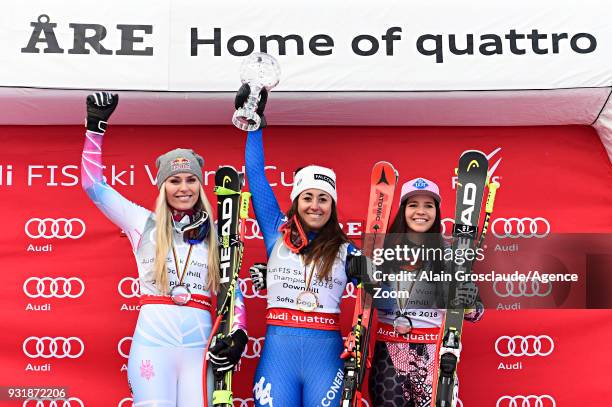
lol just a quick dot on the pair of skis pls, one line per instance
(232, 204)
(356, 347)
(472, 179)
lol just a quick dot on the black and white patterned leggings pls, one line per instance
(402, 374)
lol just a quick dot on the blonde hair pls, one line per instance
(163, 241)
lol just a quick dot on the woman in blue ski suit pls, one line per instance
(306, 275)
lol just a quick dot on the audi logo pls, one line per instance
(526, 401)
(129, 287)
(126, 402)
(529, 345)
(520, 227)
(349, 291)
(253, 348)
(58, 347)
(121, 346)
(49, 287)
(69, 402)
(253, 231)
(246, 286)
(446, 225)
(522, 289)
(60, 228)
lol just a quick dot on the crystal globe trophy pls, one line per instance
(259, 70)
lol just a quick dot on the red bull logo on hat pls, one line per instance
(180, 163)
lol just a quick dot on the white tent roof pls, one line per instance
(393, 63)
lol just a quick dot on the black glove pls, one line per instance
(258, 275)
(466, 294)
(225, 353)
(243, 94)
(100, 107)
(361, 268)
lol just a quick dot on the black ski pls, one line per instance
(472, 177)
(228, 186)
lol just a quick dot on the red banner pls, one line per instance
(71, 295)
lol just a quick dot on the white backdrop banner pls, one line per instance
(194, 45)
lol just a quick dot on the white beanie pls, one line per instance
(316, 177)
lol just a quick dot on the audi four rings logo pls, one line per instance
(535, 288)
(126, 402)
(349, 291)
(520, 227)
(509, 227)
(526, 401)
(447, 224)
(246, 287)
(529, 345)
(129, 287)
(124, 345)
(58, 347)
(60, 228)
(69, 402)
(253, 348)
(253, 231)
(49, 287)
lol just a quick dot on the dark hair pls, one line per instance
(398, 236)
(323, 250)
(399, 224)
(399, 229)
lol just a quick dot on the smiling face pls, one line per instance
(420, 213)
(314, 208)
(182, 191)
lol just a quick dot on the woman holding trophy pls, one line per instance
(307, 270)
(178, 266)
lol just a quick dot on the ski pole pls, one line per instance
(244, 213)
(488, 211)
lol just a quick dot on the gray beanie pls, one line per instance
(177, 161)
